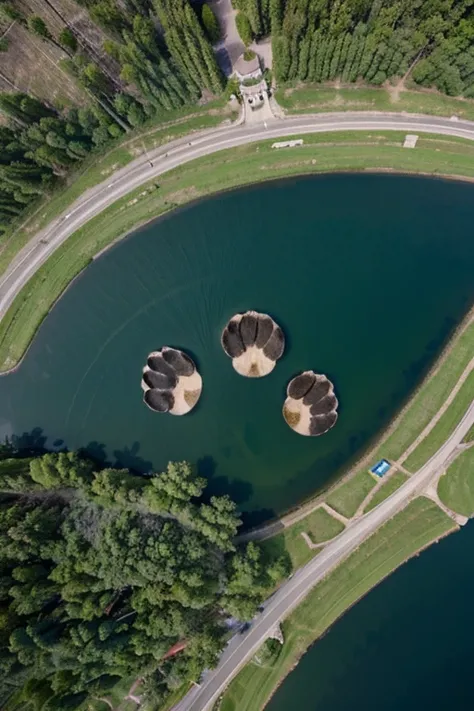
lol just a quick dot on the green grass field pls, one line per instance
(393, 483)
(400, 538)
(430, 397)
(319, 525)
(443, 428)
(98, 166)
(470, 435)
(456, 487)
(349, 495)
(319, 98)
(227, 169)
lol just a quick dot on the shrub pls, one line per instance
(249, 54)
(68, 39)
(243, 28)
(211, 25)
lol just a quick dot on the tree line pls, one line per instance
(373, 40)
(107, 575)
(157, 56)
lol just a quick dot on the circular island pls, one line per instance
(170, 382)
(311, 406)
(254, 342)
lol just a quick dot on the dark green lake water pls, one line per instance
(407, 645)
(367, 275)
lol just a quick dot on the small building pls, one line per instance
(247, 66)
(381, 468)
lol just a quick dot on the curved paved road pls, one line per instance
(243, 647)
(167, 157)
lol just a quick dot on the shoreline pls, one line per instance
(348, 471)
(415, 554)
(188, 204)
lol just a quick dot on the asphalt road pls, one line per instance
(181, 151)
(243, 646)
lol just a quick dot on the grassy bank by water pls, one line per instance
(227, 169)
(444, 427)
(317, 98)
(388, 487)
(456, 487)
(97, 166)
(419, 524)
(319, 525)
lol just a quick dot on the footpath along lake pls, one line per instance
(367, 274)
(406, 645)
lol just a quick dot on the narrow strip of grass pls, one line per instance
(254, 163)
(443, 428)
(419, 524)
(319, 525)
(456, 486)
(317, 98)
(349, 495)
(470, 435)
(430, 397)
(388, 487)
(98, 166)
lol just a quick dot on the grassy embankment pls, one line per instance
(419, 524)
(444, 427)
(394, 482)
(227, 169)
(317, 98)
(423, 406)
(319, 525)
(456, 487)
(100, 164)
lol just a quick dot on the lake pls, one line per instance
(368, 275)
(407, 645)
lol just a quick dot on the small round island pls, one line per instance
(254, 342)
(170, 382)
(311, 406)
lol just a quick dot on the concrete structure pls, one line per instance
(288, 144)
(246, 69)
(410, 141)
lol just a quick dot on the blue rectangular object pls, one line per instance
(381, 468)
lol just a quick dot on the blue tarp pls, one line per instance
(381, 467)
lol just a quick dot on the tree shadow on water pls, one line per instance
(29, 443)
(238, 490)
(129, 459)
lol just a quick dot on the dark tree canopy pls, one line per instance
(106, 575)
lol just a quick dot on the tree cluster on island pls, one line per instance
(109, 576)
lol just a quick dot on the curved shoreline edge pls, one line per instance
(400, 163)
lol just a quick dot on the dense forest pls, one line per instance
(109, 576)
(159, 58)
(373, 40)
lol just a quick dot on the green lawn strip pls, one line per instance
(96, 169)
(319, 525)
(393, 483)
(349, 495)
(226, 169)
(419, 524)
(456, 486)
(470, 435)
(318, 99)
(443, 428)
(429, 398)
